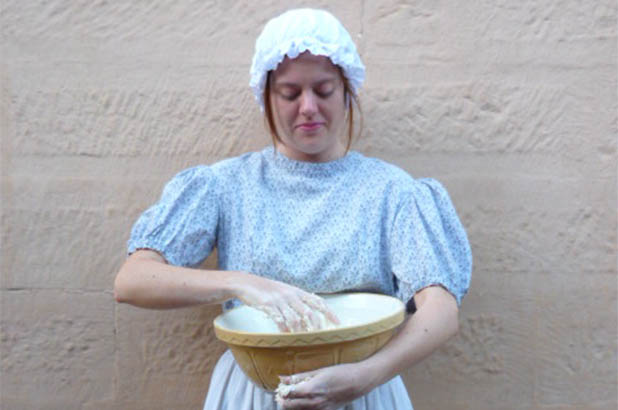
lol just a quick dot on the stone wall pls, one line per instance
(511, 104)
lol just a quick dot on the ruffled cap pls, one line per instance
(300, 30)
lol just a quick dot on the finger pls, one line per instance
(285, 379)
(292, 319)
(309, 319)
(298, 404)
(305, 389)
(314, 319)
(318, 303)
(276, 316)
(298, 378)
(283, 327)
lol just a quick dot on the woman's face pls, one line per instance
(307, 97)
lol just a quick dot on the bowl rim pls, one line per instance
(340, 334)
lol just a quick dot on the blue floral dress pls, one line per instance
(352, 224)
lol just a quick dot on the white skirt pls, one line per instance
(230, 389)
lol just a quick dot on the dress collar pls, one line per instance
(328, 168)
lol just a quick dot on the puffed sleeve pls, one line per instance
(182, 225)
(428, 244)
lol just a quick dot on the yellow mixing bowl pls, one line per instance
(368, 321)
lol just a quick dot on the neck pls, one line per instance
(333, 154)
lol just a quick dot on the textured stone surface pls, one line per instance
(57, 347)
(576, 340)
(63, 248)
(490, 359)
(523, 338)
(212, 25)
(551, 21)
(107, 123)
(485, 118)
(511, 244)
(513, 106)
(165, 357)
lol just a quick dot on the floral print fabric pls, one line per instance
(353, 224)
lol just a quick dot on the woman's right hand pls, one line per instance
(291, 308)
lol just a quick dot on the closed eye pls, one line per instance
(324, 94)
(290, 93)
(325, 89)
(289, 96)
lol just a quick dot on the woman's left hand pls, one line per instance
(328, 388)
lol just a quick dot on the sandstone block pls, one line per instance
(483, 118)
(58, 347)
(130, 123)
(166, 355)
(584, 237)
(222, 33)
(489, 362)
(576, 340)
(63, 248)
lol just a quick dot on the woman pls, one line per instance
(302, 217)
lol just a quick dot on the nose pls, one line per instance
(308, 104)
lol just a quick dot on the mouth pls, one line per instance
(310, 126)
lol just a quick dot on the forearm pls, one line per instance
(432, 325)
(145, 280)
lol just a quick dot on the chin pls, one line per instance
(315, 147)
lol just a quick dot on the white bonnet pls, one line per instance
(300, 30)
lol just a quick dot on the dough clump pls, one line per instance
(283, 390)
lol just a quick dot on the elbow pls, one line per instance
(119, 291)
(455, 327)
(454, 322)
(451, 317)
(130, 285)
(126, 282)
(122, 287)
(119, 296)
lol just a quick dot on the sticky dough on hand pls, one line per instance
(324, 322)
(283, 390)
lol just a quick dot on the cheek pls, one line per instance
(288, 112)
(284, 115)
(337, 108)
(335, 111)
